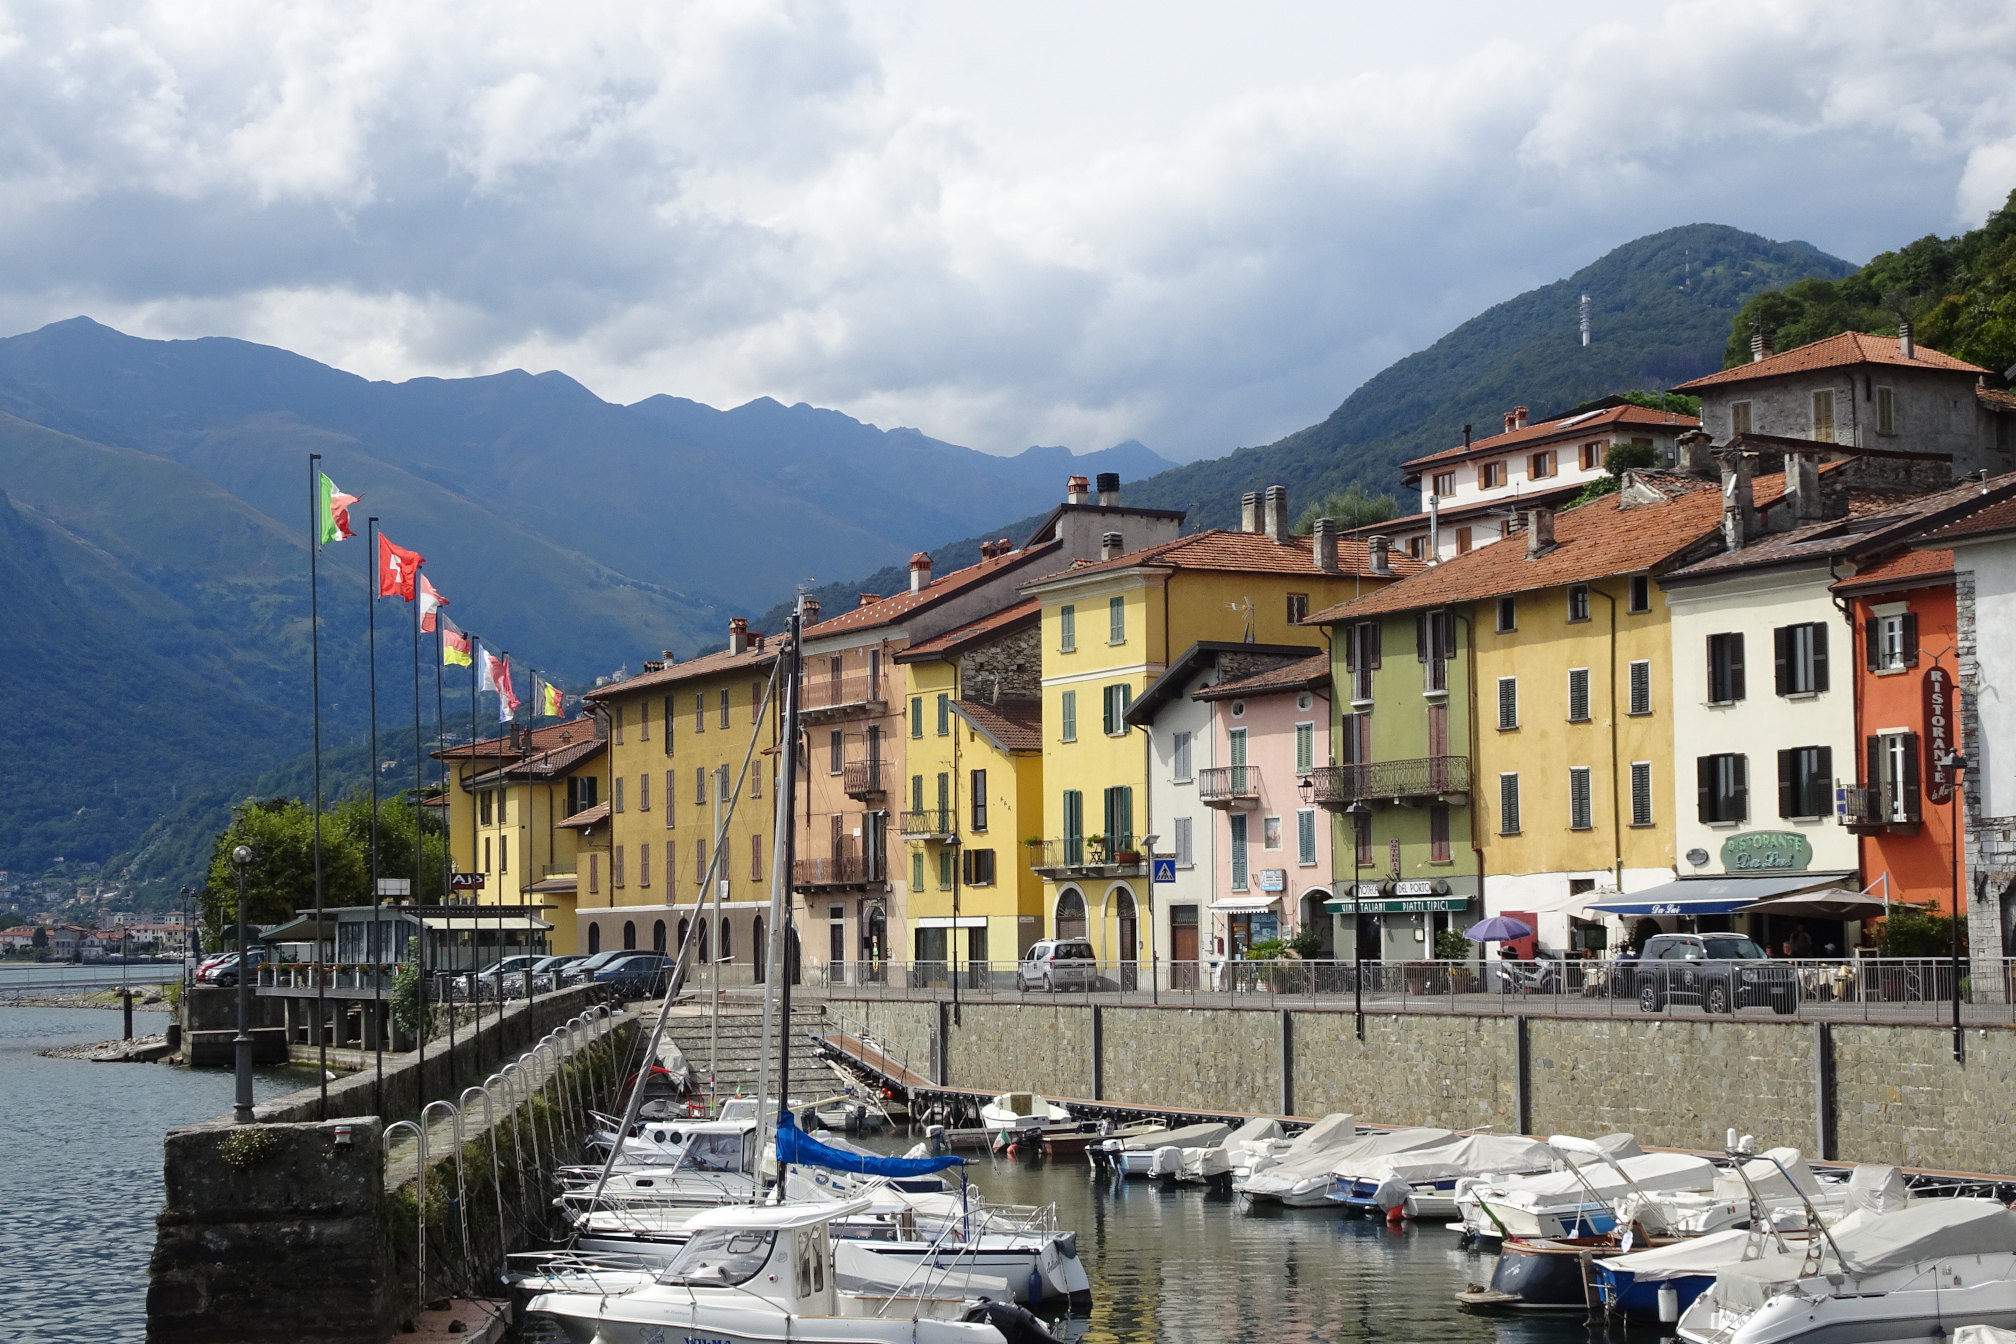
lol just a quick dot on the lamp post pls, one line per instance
(1358, 812)
(1154, 962)
(241, 1044)
(186, 893)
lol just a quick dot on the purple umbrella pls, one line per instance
(1497, 929)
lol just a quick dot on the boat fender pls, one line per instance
(1017, 1324)
(1397, 1214)
(1067, 1245)
(1669, 1303)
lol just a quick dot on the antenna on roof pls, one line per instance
(1245, 605)
(1585, 319)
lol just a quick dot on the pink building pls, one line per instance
(1269, 731)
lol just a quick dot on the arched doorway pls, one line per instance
(791, 954)
(760, 950)
(726, 954)
(701, 958)
(877, 949)
(1316, 917)
(684, 925)
(594, 939)
(1127, 942)
(1070, 916)
(658, 935)
(629, 935)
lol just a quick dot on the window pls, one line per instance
(1800, 657)
(945, 799)
(977, 867)
(1305, 836)
(700, 858)
(1592, 455)
(1725, 669)
(1805, 781)
(1067, 717)
(1116, 620)
(1641, 687)
(944, 714)
(1578, 798)
(1362, 656)
(1235, 759)
(486, 853)
(1893, 772)
(1117, 699)
(483, 806)
(644, 792)
(1508, 704)
(616, 865)
(1739, 417)
(1185, 856)
(916, 793)
(756, 778)
(671, 712)
(1892, 641)
(617, 725)
(699, 711)
(581, 791)
(945, 868)
(1539, 466)
(1305, 748)
(1435, 645)
(724, 706)
(755, 706)
(618, 799)
(1356, 739)
(1445, 484)
(1180, 763)
(1508, 804)
(1120, 818)
(916, 870)
(1508, 615)
(594, 879)
(755, 875)
(976, 784)
(1490, 475)
(1074, 827)
(1578, 602)
(1463, 542)
(1067, 629)
(1438, 833)
(699, 786)
(503, 853)
(1641, 793)
(1361, 838)
(1578, 695)
(916, 716)
(1238, 851)
(1886, 411)
(836, 750)
(1723, 783)
(643, 723)
(1298, 608)
(724, 784)
(1823, 416)
(1641, 594)
(644, 865)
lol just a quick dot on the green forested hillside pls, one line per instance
(1960, 294)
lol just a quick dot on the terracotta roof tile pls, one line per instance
(1005, 619)
(1848, 348)
(549, 764)
(1899, 568)
(1012, 725)
(587, 816)
(1306, 674)
(542, 739)
(1999, 517)
(890, 609)
(1996, 400)
(1564, 427)
(1221, 549)
(757, 657)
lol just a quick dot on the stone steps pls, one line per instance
(735, 1046)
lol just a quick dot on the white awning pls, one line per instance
(1245, 905)
(485, 923)
(946, 922)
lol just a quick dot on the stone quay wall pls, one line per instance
(1854, 1092)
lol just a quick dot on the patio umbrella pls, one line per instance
(1497, 929)
(1830, 903)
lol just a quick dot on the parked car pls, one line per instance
(546, 974)
(1722, 972)
(207, 964)
(637, 975)
(584, 970)
(1058, 963)
(224, 973)
(485, 983)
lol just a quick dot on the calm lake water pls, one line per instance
(80, 1172)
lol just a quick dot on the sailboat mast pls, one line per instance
(778, 977)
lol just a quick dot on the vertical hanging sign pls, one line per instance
(1938, 736)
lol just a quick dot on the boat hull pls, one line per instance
(1622, 1293)
(598, 1320)
(1540, 1276)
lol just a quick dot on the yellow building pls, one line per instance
(973, 775)
(1109, 629)
(509, 803)
(679, 736)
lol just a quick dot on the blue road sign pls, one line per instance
(1165, 870)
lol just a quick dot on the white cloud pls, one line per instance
(1178, 222)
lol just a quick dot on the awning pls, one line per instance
(300, 929)
(485, 923)
(1708, 895)
(947, 922)
(1245, 905)
(1828, 903)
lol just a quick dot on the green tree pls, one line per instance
(1621, 458)
(1677, 402)
(281, 877)
(1911, 931)
(399, 821)
(1352, 507)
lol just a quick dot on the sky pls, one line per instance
(1197, 225)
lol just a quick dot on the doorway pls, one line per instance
(1183, 947)
(1130, 939)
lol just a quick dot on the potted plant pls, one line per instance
(1128, 856)
(1451, 946)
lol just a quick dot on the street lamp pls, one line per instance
(1305, 788)
(1154, 964)
(1359, 812)
(241, 1044)
(186, 894)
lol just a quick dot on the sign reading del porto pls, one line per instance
(1938, 686)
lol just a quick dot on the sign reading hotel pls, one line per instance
(1938, 687)
(1766, 852)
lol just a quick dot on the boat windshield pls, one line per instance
(1734, 949)
(719, 1257)
(714, 1152)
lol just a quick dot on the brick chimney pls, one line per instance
(1110, 547)
(1249, 511)
(870, 599)
(1077, 490)
(1516, 418)
(811, 612)
(1277, 514)
(1377, 549)
(1109, 489)
(920, 571)
(738, 635)
(1760, 345)
(1696, 454)
(1539, 532)
(1325, 545)
(1739, 505)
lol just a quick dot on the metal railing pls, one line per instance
(829, 692)
(1890, 990)
(1420, 777)
(864, 779)
(30, 980)
(1874, 805)
(928, 824)
(1227, 783)
(840, 870)
(1098, 856)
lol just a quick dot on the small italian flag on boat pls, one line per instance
(332, 511)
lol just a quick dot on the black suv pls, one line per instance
(1720, 971)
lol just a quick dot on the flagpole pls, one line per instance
(505, 826)
(315, 681)
(441, 741)
(377, 932)
(475, 651)
(418, 757)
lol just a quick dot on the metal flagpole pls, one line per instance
(377, 932)
(504, 849)
(441, 742)
(418, 757)
(789, 846)
(476, 894)
(315, 679)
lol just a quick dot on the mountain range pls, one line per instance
(154, 601)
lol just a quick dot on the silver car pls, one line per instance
(1058, 963)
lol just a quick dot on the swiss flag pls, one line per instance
(398, 568)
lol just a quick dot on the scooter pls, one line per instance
(1542, 976)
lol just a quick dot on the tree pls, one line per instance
(1621, 458)
(1351, 508)
(281, 877)
(398, 822)
(1910, 931)
(41, 940)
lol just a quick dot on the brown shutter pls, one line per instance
(1736, 688)
(1704, 788)
(1377, 642)
(1910, 639)
(1819, 655)
(1788, 782)
(1871, 641)
(1742, 794)
(1781, 659)
(1910, 796)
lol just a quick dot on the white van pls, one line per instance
(1058, 963)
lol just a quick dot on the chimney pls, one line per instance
(986, 550)
(1739, 507)
(1466, 436)
(1760, 345)
(738, 635)
(1905, 346)
(1077, 490)
(1249, 511)
(667, 655)
(1325, 545)
(920, 571)
(811, 612)
(870, 599)
(1109, 489)
(1376, 548)
(1519, 414)
(1109, 546)
(1539, 532)
(1696, 452)
(1277, 514)
(1802, 489)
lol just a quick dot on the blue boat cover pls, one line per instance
(797, 1148)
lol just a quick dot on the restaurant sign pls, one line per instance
(1938, 686)
(1766, 852)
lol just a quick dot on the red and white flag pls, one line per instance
(431, 603)
(398, 568)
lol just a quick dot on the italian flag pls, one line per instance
(332, 511)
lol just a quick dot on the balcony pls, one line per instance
(931, 824)
(1422, 778)
(1235, 788)
(844, 870)
(1873, 811)
(825, 697)
(865, 779)
(1085, 856)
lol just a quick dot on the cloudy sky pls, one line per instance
(1058, 222)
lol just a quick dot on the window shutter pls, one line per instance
(1909, 794)
(1238, 820)
(1641, 793)
(1108, 711)
(1578, 694)
(1508, 702)
(1448, 620)
(1508, 804)
(1872, 643)
(1181, 754)
(1641, 688)
(1736, 687)
(1910, 639)
(1819, 629)
(1788, 782)
(1872, 748)
(1740, 767)
(1351, 647)
(1781, 657)
(1820, 783)
(1184, 857)
(1377, 647)
(1067, 704)
(1305, 748)
(1704, 784)
(1420, 636)
(619, 793)
(1305, 837)
(671, 713)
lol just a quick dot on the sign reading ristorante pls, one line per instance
(1938, 687)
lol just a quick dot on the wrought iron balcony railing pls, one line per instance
(934, 823)
(844, 870)
(1339, 786)
(1102, 856)
(1229, 786)
(865, 779)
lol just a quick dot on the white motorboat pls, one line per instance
(1419, 1181)
(1138, 1154)
(1577, 1200)
(1300, 1176)
(1221, 1164)
(756, 1275)
(1777, 1183)
(1910, 1276)
(1017, 1112)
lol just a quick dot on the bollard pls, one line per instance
(127, 995)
